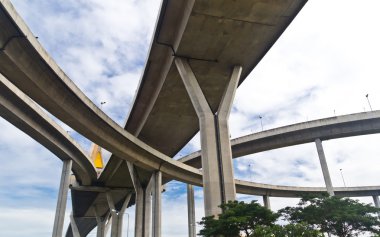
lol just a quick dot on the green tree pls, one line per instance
(237, 217)
(339, 216)
(290, 230)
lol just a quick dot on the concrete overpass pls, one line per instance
(212, 46)
(24, 114)
(226, 33)
(93, 192)
(324, 129)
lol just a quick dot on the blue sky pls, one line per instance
(323, 65)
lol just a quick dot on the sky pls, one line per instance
(323, 65)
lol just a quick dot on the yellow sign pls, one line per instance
(96, 156)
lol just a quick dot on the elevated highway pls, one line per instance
(89, 192)
(211, 38)
(324, 129)
(24, 114)
(215, 30)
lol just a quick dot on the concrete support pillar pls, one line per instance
(108, 224)
(101, 227)
(191, 211)
(218, 176)
(143, 211)
(157, 204)
(74, 227)
(101, 223)
(266, 201)
(62, 198)
(117, 215)
(376, 201)
(325, 169)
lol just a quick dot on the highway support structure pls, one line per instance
(102, 223)
(191, 211)
(376, 201)
(62, 198)
(325, 169)
(266, 201)
(74, 227)
(218, 175)
(143, 211)
(117, 215)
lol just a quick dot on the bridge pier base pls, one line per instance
(191, 211)
(62, 198)
(218, 175)
(117, 215)
(325, 169)
(266, 201)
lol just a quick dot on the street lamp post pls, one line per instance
(341, 173)
(101, 104)
(250, 172)
(368, 102)
(261, 121)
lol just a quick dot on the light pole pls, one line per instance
(250, 173)
(368, 102)
(341, 173)
(261, 121)
(102, 103)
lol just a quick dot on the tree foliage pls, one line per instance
(237, 217)
(339, 216)
(290, 230)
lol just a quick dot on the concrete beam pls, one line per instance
(325, 169)
(62, 198)
(191, 211)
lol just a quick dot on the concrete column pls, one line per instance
(117, 215)
(266, 201)
(108, 224)
(218, 177)
(191, 211)
(376, 201)
(223, 135)
(74, 227)
(143, 204)
(101, 223)
(62, 198)
(101, 227)
(157, 204)
(325, 169)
